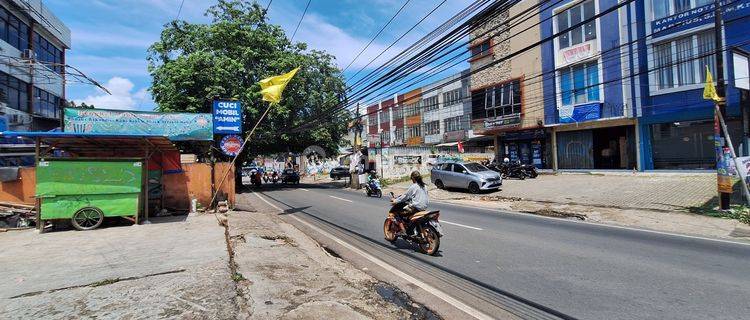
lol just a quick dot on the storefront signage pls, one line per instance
(522, 135)
(579, 113)
(577, 53)
(407, 159)
(175, 126)
(414, 141)
(697, 16)
(453, 136)
(502, 122)
(741, 71)
(231, 145)
(227, 117)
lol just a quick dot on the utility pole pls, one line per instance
(724, 182)
(357, 150)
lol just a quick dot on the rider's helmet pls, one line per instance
(506, 160)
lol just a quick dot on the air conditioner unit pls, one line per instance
(28, 54)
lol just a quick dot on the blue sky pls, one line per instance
(110, 37)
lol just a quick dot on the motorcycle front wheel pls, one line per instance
(430, 241)
(389, 230)
(379, 193)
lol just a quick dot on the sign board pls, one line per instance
(697, 17)
(227, 117)
(576, 53)
(407, 159)
(741, 71)
(502, 122)
(231, 145)
(175, 126)
(579, 113)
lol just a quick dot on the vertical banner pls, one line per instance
(723, 177)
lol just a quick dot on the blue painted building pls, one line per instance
(586, 101)
(675, 123)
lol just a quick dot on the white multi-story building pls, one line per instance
(32, 58)
(437, 113)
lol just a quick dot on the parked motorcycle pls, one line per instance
(256, 178)
(373, 188)
(510, 170)
(421, 228)
(275, 177)
(530, 170)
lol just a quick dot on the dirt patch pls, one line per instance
(557, 214)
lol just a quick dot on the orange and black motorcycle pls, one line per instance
(422, 228)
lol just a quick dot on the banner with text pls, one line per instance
(175, 126)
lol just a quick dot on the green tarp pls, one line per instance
(66, 186)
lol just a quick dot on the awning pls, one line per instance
(98, 145)
(447, 144)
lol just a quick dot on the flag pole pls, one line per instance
(242, 147)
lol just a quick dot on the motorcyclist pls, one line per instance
(371, 175)
(415, 199)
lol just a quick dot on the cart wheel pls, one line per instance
(88, 218)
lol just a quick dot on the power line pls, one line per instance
(300, 19)
(269, 4)
(376, 35)
(179, 10)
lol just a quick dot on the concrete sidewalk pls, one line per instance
(176, 267)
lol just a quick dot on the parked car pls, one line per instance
(290, 176)
(472, 176)
(340, 172)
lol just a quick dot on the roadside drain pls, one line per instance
(401, 299)
(331, 252)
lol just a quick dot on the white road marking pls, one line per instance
(461, 225)
(599, 224)
(342, 199)
(303, 189)
(434, 291)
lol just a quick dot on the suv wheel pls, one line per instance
(439, 184)
(473, 187)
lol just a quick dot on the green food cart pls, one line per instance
(86, 191)
(87, 177)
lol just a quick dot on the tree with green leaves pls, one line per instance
(194, 64)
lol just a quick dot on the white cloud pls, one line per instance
(122, 97)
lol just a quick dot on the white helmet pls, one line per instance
(506, 160)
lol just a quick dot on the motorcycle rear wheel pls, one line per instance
(389, 230)
(430, 242)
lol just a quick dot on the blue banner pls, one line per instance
(175, 126)
(227, 117)
(697, 16)
(580, 113)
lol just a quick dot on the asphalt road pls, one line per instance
(536, 267)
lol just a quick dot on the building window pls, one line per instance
(454, 124)
(452, 97)
(13, 30)
(385, 116)
(414, 131)
(46, 104)
(399, 134)
(481, 49)
(665, 8)
(573, 16)
(675, 62)
(398, 113)
(430, 104)
(580, 83)
(47, 52)
(372, 119)
(385, 137)
(411, 109)
(503, 100)
(15, 92)
(432, 127)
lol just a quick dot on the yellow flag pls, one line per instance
(272, 87)
(709, 92)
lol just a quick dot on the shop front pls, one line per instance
(526, 146)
